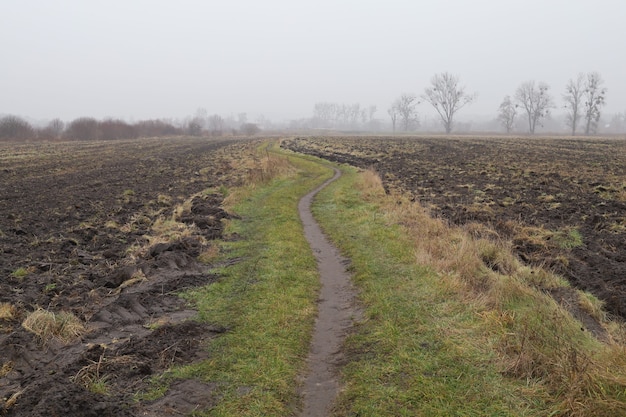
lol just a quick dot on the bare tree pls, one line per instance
(405, 106)
(573, 97)
(593, 95)
(353, 112)
(507, 113)
(535, 100)
(216, 125)
(201, 117)
(14, 127)
(83, 128)
(250, 129)
(324, 114)
(52, 131)
(55, 128)
(111, 129)
(195, 126)
(152, 128)
(242, 119)
(447, 97)
(393, 113)
(371, 111)
(371, 121)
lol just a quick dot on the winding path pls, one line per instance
(336, 310)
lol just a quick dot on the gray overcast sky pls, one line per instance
(154, 58)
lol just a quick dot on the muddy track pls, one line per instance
(336, 310)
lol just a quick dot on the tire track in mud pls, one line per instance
(336, 311)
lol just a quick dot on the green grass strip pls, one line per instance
(420, 349)
(267, 300)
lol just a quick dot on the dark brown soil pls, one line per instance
(74, 225)
(517, 187)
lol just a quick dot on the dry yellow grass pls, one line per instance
(10, 402)
(534, 338)
(93, 376)
(6, 368)
(7, 311)
(48, 325)
(210, 254)
(265, 165)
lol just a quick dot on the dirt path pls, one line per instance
(336, 311)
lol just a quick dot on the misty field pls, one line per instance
(147, 276)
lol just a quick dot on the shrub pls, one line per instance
(15, 128)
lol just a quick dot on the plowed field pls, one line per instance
(562, 202)
(95, 246)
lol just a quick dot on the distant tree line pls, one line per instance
(527, 109)
(583, 100)
(328, 115)
(84, 128)
(15, 128)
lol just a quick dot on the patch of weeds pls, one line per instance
(546, 198)
(6, 368)
(50, 287)
(209, 255)
(7, 311)
(127, 196)
(540, 278)
(592, 305)
(619, 226)
(507, 201)
(155, 324)
(99, 386)
(569, 238)
(539, 237)
(496, 257)
(158, 389)
(111, 224)
(91, 378)
(20, 272)
(137, 277)
(606, 192)
(164, 200)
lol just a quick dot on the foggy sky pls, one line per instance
(150, 59)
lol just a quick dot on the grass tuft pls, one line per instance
(20, 273)
(48, 325)
(7, 311)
